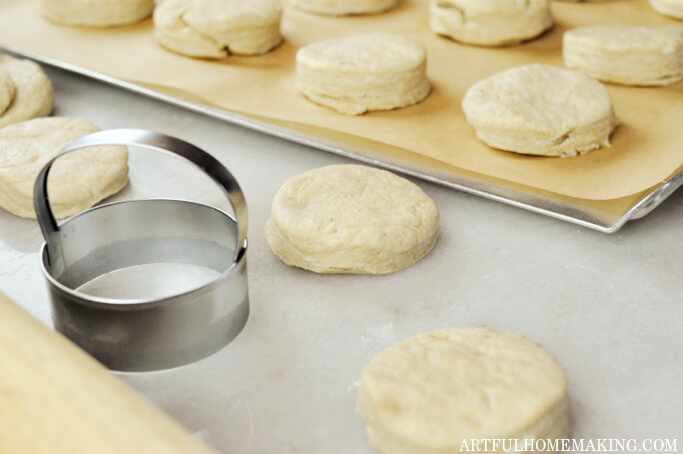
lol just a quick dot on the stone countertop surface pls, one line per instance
(608, 307)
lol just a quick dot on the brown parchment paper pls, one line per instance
(646, 149)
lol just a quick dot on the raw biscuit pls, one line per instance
(7, 90)
(541, 110)
(31, 91)
(351, 219)
(436, 391)
(626, 55)
(345, 7)
(76, 182)
(96, 13)
(490, 22)
(218, 28)
(671, 8)
(356, 74)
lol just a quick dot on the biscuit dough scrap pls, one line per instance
(218, 28)
(361, 73)
(25, 91)
(351, 219)
(541, 110)
(626, 55)
(431, 393)
(76, 182)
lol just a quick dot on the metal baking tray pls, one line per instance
(606, 216)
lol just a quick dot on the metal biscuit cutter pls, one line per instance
(147, 334)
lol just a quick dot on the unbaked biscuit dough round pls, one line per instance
(76, 182)
(436, 391)
(490, 22)
(361, 73)
(96, 13)
(351, 219)
(7, 90)
(218, 28)
(626, 55)
(345, 7)
(31, 91)
(671, 8)
(541, 110)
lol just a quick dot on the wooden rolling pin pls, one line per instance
(56, 399)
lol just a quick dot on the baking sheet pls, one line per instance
(646, 149)
(606, 216)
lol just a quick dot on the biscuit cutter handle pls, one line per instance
(151, 141)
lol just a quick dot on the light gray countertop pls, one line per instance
(608, 307)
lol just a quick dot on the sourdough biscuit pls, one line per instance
(541, 110)
(77, 180)
(7, 90)
(351, 219)
(345, 7)
(436, 391)
(96, 13)
(671, 8)
(218, 28)
(626, 55)
(353, 75)
(490, 22)
(29, 91)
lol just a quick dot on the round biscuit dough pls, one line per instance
(646, 56)
(76, 182)
(32, 91)
(96, 13)
(436, 391)
(351, 219)
(345, 7)
(7, 90)
(361, 73)
(541, 110)
(218, 28)
(671, 8)
(490, 22)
